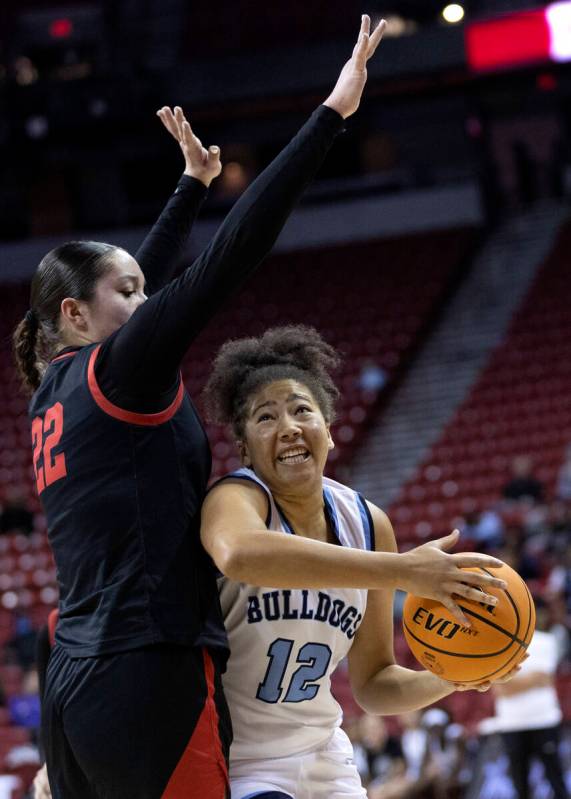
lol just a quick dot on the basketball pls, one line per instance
(491, 647)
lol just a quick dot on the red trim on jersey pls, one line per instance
(52, 621)
(131, 417)
(65, 355)
(201, 773)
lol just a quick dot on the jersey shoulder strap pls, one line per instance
(273, 516)
(349, 514)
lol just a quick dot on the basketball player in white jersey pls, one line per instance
(298, 552)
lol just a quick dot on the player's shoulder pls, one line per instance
(240, 486)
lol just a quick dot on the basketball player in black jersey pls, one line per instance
(133, 707)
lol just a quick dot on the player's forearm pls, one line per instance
(395, 689)
(257, 218)
(280, 561)
(163, 247)
(249, 231)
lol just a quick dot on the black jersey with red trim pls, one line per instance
(122, 494)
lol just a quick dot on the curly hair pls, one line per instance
(242, 366)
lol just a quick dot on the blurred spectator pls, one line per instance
(22, 762)
(529, 716)
(25, 711)
(563, 488)
(559, 628)
(25, 706)
(378, 756)
(422, 768)
(8, 784)
(446, 745)
(15, 515)
(22, 645)
(518, 555)
(414, 744)
(560, 522)
(372, 376)
(559, 580)
(485, 529)
(523, 485)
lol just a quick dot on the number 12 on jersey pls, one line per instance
(314, 659)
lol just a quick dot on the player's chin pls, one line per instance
(302, 472)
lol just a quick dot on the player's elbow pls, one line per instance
(230, 558)
(368, 699)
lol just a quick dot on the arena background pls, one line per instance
(432, 250)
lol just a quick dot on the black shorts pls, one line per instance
(147, 724)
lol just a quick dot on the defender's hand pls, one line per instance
(200, 163)
(346, 95)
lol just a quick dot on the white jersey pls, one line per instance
(285, 644)
(536, 708)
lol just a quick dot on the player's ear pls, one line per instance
(244, 455)
(73, 313)
(330, 442)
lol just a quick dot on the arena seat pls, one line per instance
(519, 405)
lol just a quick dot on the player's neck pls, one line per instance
(305, 513)
(74, 339)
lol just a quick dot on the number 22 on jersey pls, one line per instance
(49, 466)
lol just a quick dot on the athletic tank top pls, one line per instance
(285, 644)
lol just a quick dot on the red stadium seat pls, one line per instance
(520, 404)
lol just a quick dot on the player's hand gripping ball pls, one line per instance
(495, 643)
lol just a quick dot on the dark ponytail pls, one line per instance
(71, 270)
(24, 343)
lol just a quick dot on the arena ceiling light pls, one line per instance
(520, 39)
(453, 13)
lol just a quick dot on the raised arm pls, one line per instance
(162, 249)
(148, 349)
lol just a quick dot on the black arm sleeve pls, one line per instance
(162, 249)
(137, 366)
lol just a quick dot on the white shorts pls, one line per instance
(325, 773)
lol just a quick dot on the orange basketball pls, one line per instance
(494, 644)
